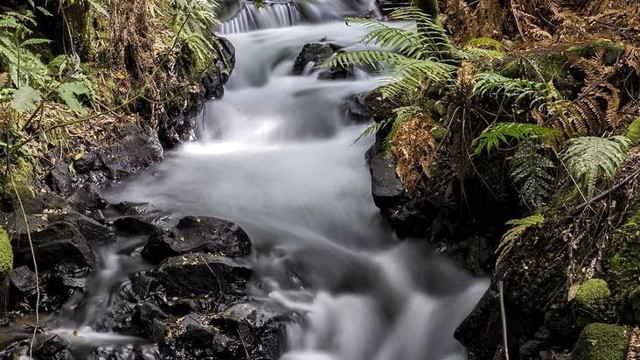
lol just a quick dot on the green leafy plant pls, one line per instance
(518, 227)
(590, 159)
(489, 84)
(532, 173)
(34, 81)
(504, 132)
(191, 19)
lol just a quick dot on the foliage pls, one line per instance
(502, 133)
(489, 84)
(415, 59)
(518, 227)
(191, 19)
(532, 173)
(33, 80)
(590, 159)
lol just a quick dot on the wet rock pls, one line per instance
(198, 274)
(356, 110)
(92, 230)
(134, 226)
(138, 148)
(58, 246)
(55, 348)
(314, 54)
(153, 322)
(481, 331)
(59, 179)
(86, 199)
(386, 187)
(199, 234)
(130, 352)
(131, 208)
(23, 282)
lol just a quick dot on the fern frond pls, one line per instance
(374, 58)
(589, 159)
(532, 173)
(502, 133)
(519, 226)
(402, 40)
(492, 84)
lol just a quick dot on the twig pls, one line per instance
(612, 189)
(35, 266)
(504, 319)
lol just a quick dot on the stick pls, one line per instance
(504, 319)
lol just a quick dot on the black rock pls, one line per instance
(134, 226)
(92, 230)
(315, 53)
(198, 274)
(58, 246)
(55, 348)
(386, 187)
(60, 179)
(86, 199)
(355, 109)
(481, 331)
(199, 234)
(23, 282)
(138, 149)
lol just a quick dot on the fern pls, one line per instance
(496, 85)
(590, 159)
(532, 173)
(519, 226)
(502, 133)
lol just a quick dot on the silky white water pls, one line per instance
(276, 156)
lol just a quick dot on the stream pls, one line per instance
(277, 156)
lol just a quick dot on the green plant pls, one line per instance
(416, 60)
(192, 19)
(503, 132)
(34, 81)
(532, 173)
(590, 159)
(518, 227)
(489, 84)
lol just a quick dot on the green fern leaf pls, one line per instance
(502, 133)
(590, 159)
(519, 226)
(532, 173)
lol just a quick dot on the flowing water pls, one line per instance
(276, 156)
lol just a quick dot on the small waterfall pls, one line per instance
(285, 13)
(271, 15)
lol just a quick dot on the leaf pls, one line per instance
(501, 133)
(590, 159)
(519, 226)
(68, 92)
(25, 99)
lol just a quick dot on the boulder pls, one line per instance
(355, 109)
(58, 246)
(199, 274)
(22, 282)
(134, 226)
(54, 348)
(92, 230)
(198, 234)
(86, 199)
(315, 54)
(386, 187)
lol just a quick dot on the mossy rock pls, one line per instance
(593, 295)
(611, 51)
(601, 342)
(633, 131)
(548, 65)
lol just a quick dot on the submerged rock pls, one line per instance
(199, 234)
(313, 54)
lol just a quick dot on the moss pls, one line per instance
(633, 131)
(623, 263)
(601, 342)
(6, 264)
(611, 51)
(511, 69)
(593, 294)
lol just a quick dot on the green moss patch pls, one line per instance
(601, 342)
(609, 50)
(633, 131)
(593, 294)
